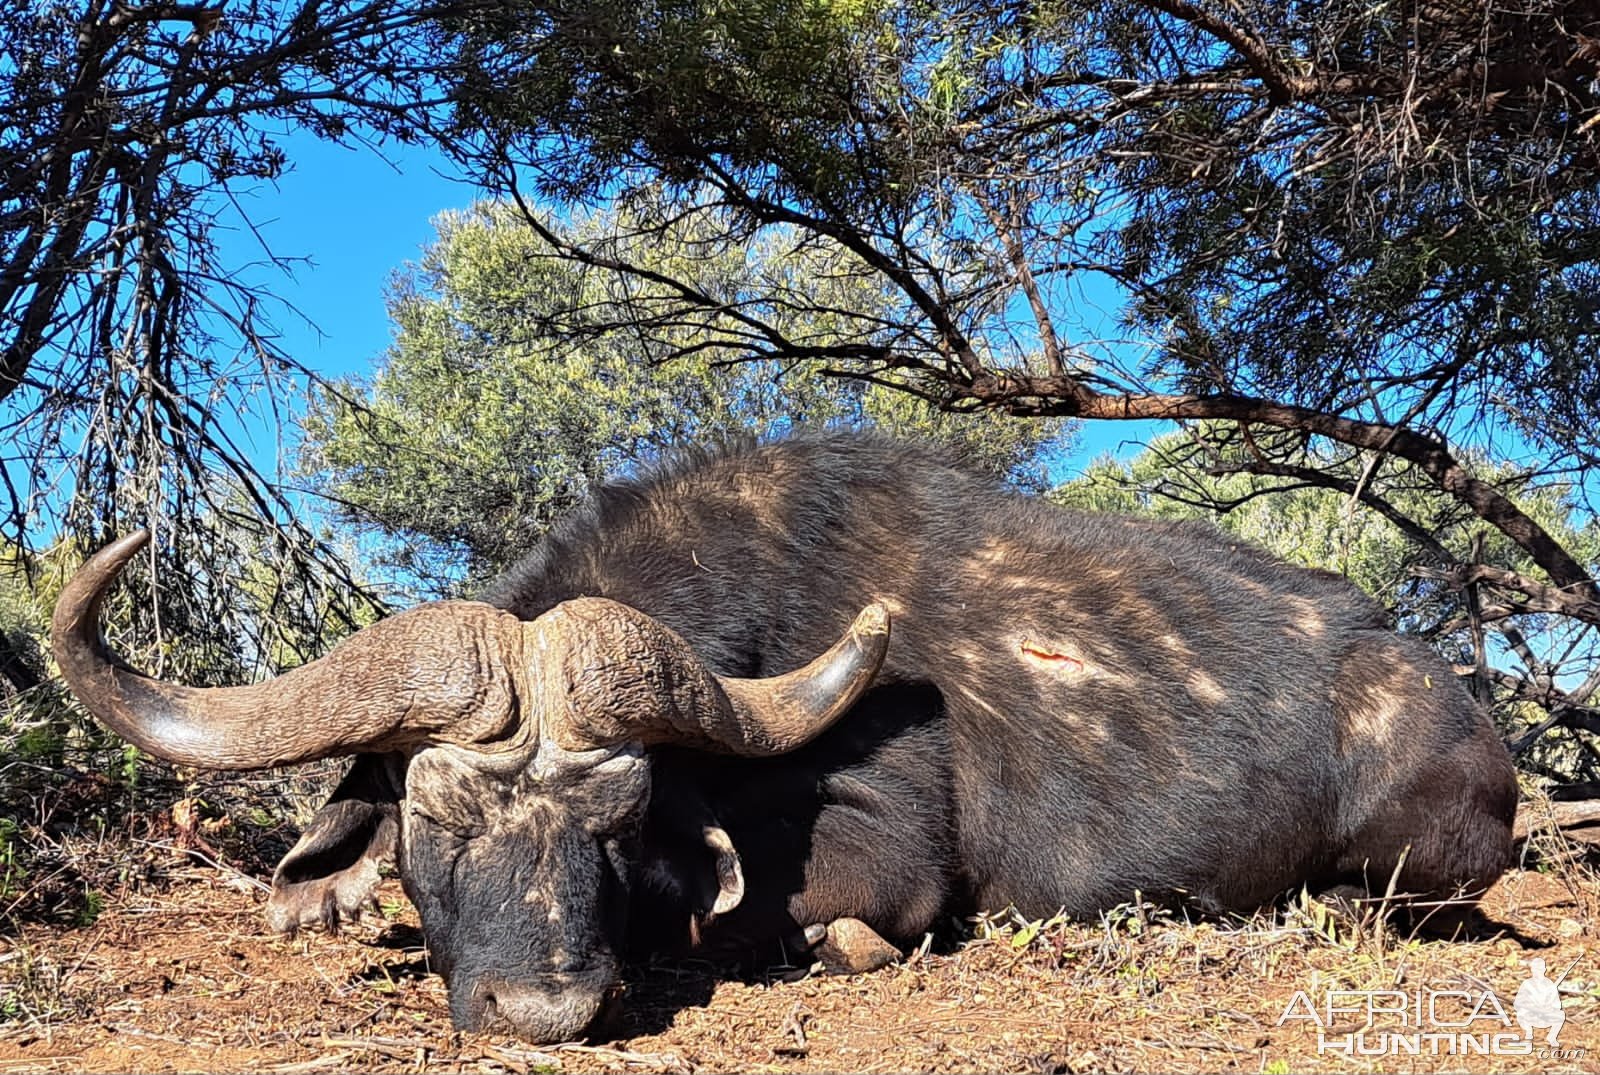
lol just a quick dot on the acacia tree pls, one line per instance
(518, 380)
(126, 346)
(1343, 239)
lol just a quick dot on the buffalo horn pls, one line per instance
(625, 677)
(435, 667)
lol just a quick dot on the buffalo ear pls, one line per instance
(730, 871)
(330, 873)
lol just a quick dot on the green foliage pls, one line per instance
(1308, 526)
(12, 872)
(517, 380)
(1327, 528)
(66, 782)
(33, 718)
(749, 81)
(22, 615)
(93, 906)
(132, 356)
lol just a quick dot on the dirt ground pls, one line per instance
(188, 979)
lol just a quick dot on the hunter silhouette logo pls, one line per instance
(1538, 1003)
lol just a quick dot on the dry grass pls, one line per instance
(181, 976)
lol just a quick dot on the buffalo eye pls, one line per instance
(461, 828)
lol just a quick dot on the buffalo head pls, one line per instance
(527, 773)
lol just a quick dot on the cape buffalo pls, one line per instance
(631, 742)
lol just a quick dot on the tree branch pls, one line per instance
(1282, 86)
(1069, 397)
(1537, 596)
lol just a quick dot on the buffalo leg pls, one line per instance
(331, 871)
(850, 946)
(878, 867)
(1450, 837)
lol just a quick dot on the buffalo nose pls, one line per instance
(538, 1014)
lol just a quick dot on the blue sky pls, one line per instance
(355, 218)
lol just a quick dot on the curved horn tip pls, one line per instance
(96, 572)
(872, 620)
(111, 558)
(122, 550)
(79, 600)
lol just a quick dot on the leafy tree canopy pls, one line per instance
(1301, 199)
(510, 388)
(1387, 523)
(128, 349)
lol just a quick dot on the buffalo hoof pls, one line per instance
(853, 947)
(322, 901)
